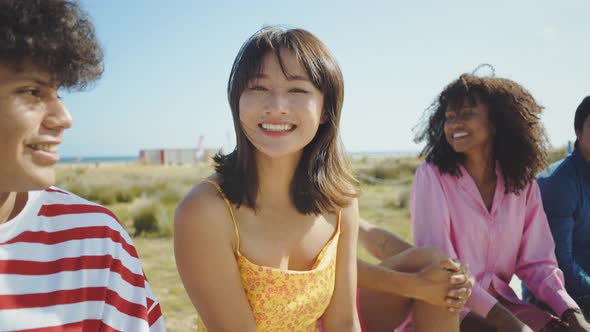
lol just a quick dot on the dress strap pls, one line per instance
(231, 212)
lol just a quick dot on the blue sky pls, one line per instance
(167, 64)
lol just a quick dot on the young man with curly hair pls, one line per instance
(65, 263)
(476, 199)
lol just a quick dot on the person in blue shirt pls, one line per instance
(566, 200)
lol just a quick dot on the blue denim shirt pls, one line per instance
(566, 200)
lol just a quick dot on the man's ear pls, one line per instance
(578, 134)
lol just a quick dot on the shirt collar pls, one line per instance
(467, 183)
(466, 179)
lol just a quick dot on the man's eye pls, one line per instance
(40, 93)
(32, 92)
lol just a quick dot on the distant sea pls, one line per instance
(93, 160)
(130, 159)
(393, 153)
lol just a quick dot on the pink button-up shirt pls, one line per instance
(448, 213)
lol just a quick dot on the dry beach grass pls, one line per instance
(140, 193)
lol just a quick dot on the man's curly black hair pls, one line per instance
(520, 142)
(54, 35)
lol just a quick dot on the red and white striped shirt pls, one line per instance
(67, 264)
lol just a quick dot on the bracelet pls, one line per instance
(572, 310)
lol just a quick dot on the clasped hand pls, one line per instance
(446, 283)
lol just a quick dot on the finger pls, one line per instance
(464, 268)
(450, 265)
(458, 279)
(455, 304)
(468, 293)
(464, 293)
(470, 282)
(467, 282)
(459, 293)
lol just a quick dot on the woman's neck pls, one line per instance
(275, 176)
(481, 166)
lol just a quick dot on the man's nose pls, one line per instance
(58, 116)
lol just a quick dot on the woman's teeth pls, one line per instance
(276, 127)
(459, 135)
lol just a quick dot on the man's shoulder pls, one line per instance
(564, 167)
(69, 213)
(58, 202)
(560, 189)
(77, 249)
(68, 216)
(559, 175)
(57, 195)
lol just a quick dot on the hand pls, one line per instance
(445, 284)
(460, 289)
(576, 322)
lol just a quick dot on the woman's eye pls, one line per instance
(296, 90)
(257, 88)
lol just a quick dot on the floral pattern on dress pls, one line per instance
(286, 300)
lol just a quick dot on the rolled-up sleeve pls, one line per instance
(536, 265)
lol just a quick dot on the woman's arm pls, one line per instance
(341, 314)
(434, 284)
(536, 265)
(204, 241)
(380, 242)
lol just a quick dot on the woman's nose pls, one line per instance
(276, 103)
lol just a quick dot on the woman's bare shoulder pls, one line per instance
(349, 215)
(203, 207)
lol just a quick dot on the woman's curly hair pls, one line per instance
(55, 35)
(519, 142)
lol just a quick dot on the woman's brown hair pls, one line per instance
(323, 180)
